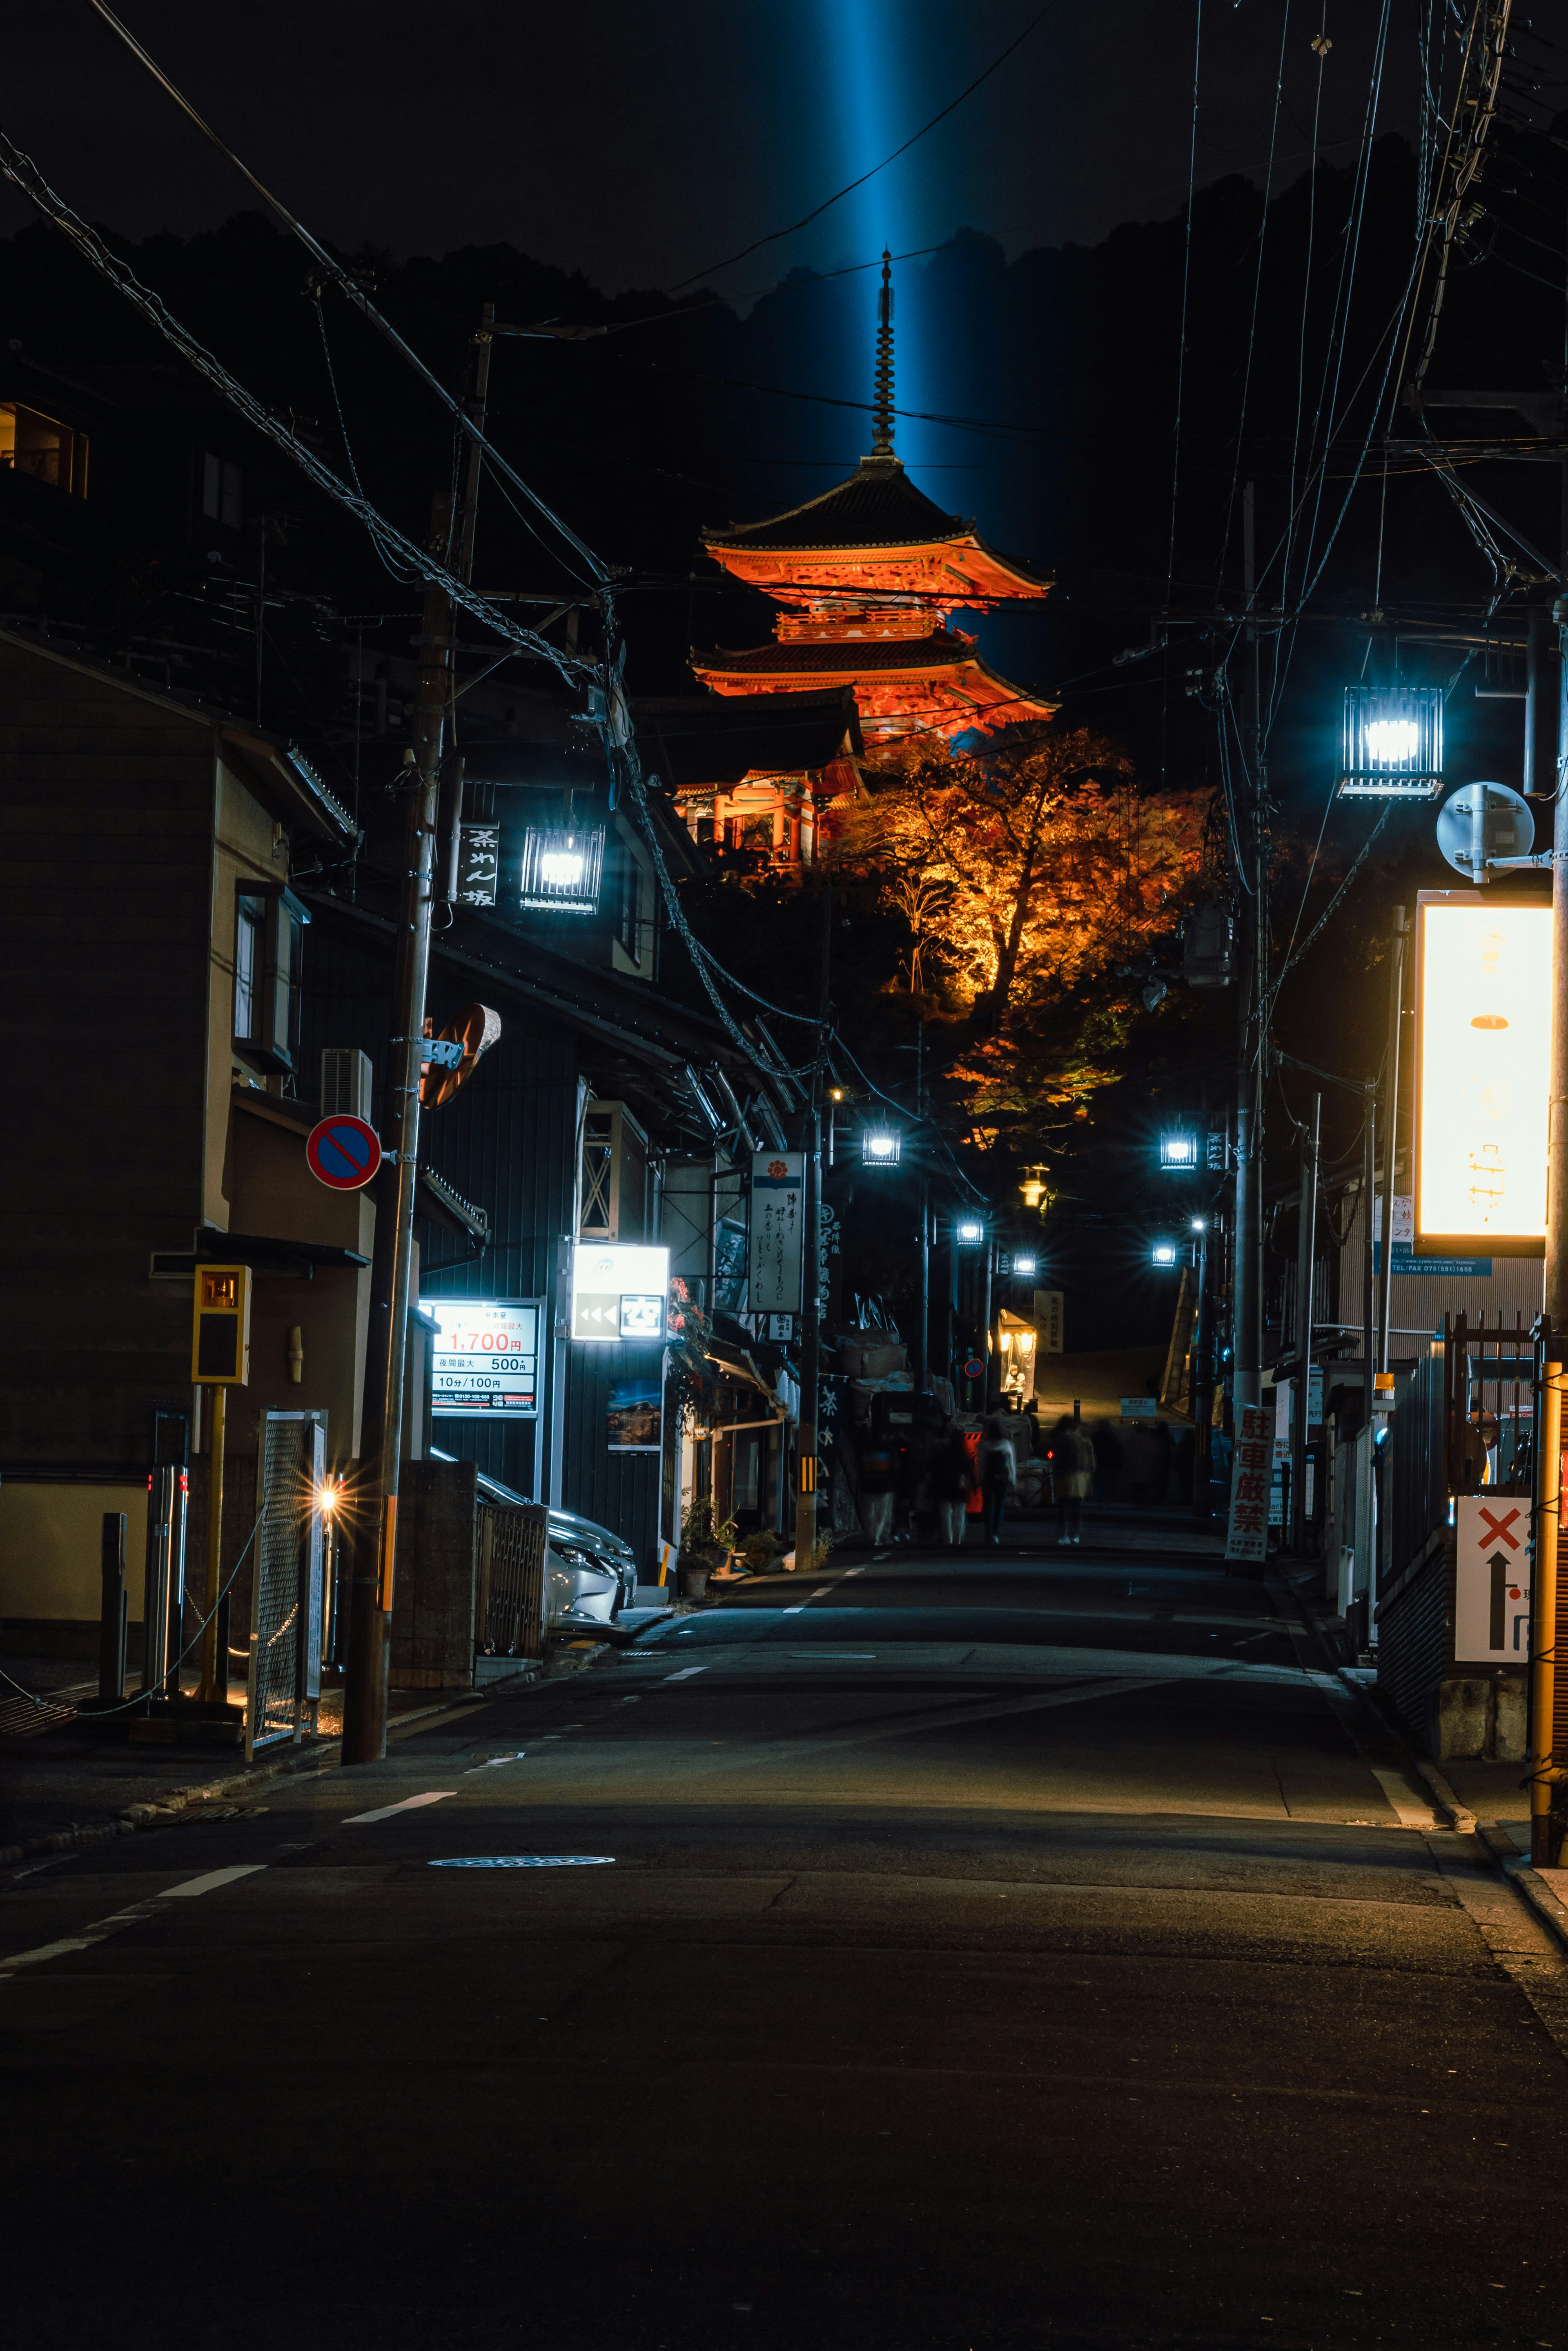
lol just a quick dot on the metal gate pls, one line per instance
(285, 1583)
(509, 1619)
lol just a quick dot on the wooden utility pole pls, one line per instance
(1390, 1129)
(1246, 1288)
(1544, 1769)
(1306, 1262)
(374, 1540)
(809, 1435)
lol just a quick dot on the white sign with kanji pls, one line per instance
(1491, 1580)
(1249, 1534)
(778, 1228)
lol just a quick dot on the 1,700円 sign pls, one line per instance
(486, 1355)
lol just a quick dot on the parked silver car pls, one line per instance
(590, 1575)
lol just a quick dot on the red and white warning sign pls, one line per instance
(1492, 1593)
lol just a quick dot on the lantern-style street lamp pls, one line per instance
(1178, 1149)
(562, 865)
(1393, 743)
(880, 1146)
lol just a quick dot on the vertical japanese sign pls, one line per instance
(1249, 1536)
(1048, 1321)
(778, 1229)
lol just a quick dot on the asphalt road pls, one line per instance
(998, 1951)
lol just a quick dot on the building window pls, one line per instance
(629, 905)
(248, 924)
(222, 491)
(269, 938)
(43, 449)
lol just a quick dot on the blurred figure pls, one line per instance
(1073, 1464)
(953, 1480)
(878, 1479)
(998, 1466)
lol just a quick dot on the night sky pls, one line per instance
(643, 144)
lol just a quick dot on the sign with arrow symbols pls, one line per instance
(1492, 1588)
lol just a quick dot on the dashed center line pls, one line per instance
(409, 1804)
(686, 1673)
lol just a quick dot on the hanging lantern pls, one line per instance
(1392, 742)
(561, 868)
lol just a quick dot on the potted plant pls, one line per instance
(704, 1546)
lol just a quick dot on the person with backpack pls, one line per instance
(953, 1482)
(998, 1466)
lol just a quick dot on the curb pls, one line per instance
(325, 1756)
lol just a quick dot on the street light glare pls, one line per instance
(1393, 738)
(969, 1232)
(1163, 1253)
(1025, 1265)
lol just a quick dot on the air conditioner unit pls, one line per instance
(346, 1078)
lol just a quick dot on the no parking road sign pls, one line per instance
(343, 1151)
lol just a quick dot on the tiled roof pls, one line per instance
(878, 506)
(716, 740)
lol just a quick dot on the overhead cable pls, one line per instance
(355, 292)
(774, 235)
(24, 175)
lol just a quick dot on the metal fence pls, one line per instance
(286, 1587)
(508, 1613)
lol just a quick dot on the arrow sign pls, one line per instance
(343, 1151)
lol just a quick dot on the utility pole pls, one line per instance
(1306, 1266)
(1246, 1288)
(1391, 1128)
(811, 1286)
(923, 1353)
(1202, 1396)
(375, 1530)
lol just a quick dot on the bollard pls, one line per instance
(112, 1617)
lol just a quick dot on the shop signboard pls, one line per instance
(778, 1228)
(1483, 1036)
(485, 1357)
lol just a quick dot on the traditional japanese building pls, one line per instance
(867, 579)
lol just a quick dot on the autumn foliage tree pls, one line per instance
(1025, 873)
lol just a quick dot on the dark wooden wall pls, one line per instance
(105, 821)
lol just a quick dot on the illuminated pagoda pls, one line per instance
(867, 579)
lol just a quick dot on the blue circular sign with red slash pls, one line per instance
(343, 1151)
(973, 1368)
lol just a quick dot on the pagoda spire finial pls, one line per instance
(882, 401)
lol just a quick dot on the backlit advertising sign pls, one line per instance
(485, 1356)
(619, 1291)
(1483, 1043)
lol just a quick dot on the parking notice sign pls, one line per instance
(486, 1356)
(1248, 1537)
(1491, 1579)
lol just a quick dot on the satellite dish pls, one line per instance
(1507, 826)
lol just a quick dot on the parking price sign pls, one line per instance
(486, 1355)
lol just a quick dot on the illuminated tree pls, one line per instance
(1025, 872)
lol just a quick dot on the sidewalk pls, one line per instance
(62, 1782)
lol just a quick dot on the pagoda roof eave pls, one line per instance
(1013, 580)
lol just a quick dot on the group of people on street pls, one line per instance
(991, 1469)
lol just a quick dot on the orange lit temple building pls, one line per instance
(867, 579)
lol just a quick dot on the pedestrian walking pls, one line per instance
(953, 1480)
(998, 1466)
(1073, 1463)
(878, 1479)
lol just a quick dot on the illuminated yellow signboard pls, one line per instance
(1483, 1041)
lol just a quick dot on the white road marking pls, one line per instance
(213, 1880)
(409, 1804)
(686, 1673)
(492, 1762)
(101, 1929)
(796, 1609)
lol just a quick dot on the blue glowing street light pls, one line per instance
(1165, 1254)
(1179, 1148)
(880, 1146)
(1393, 743)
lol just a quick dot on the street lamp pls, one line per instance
(1025, 1265)
(1392, 742)
(969, 1232)
(1033, 1187)
(880, 1146)
(1164, 1254)
(1178, 1149)
(561, 868)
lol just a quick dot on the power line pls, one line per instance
(1186, 280)
(774, 235)
(353, 291)
(24, 175)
